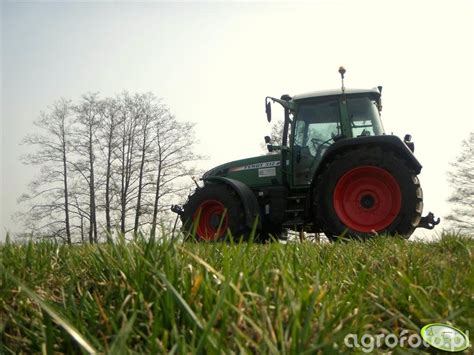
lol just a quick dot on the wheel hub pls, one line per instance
(211, 219)
(367, 198)
(367, 201)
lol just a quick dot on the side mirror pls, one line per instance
(268, 110)
(268, 140)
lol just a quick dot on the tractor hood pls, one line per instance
(254, 171)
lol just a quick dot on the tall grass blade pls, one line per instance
(119, 344)
(184, 305)
(61, 321)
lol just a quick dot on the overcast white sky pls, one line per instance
(213, 63)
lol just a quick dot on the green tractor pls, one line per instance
(334, 172)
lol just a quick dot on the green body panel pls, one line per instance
(264, 170)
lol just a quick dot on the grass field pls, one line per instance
(149, 297)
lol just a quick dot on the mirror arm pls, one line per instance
(284, 103)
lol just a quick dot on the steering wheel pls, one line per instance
(319, 145)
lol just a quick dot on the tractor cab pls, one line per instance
(324, 118)
(316, 120)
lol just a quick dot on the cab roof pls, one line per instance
(335, 92)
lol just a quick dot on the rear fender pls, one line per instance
(387, 142)
(249, 201)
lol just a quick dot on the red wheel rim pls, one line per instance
(367, 199)
(211, 219)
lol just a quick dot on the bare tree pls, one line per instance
(461, 179)
(108, 143)
(119, 161)
(128, 127)
(83, 216)
(150, 109)
(87, 120)
(49, 193)
(175, 145)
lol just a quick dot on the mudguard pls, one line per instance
(251, 207)
(389, 142)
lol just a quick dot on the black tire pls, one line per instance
(347, 203)
(203, 218)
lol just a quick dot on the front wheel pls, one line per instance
(367, 192)
(212, 212)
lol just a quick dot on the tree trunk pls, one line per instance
(140, 183)
(123, 193)
(107, 185)
(66, 197)
(93, 224)
(82, 229)
(157, 197)
(127, 159)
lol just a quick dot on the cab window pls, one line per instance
(364, 116)
(316, 124)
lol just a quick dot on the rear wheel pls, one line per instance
(211, 212)
(367, 192)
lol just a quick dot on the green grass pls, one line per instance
(150, 297)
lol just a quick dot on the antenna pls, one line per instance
(342, 71)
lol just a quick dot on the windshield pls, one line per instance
(364, 116)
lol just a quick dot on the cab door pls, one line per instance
(316, 124)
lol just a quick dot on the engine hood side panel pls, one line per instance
(263, 170)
